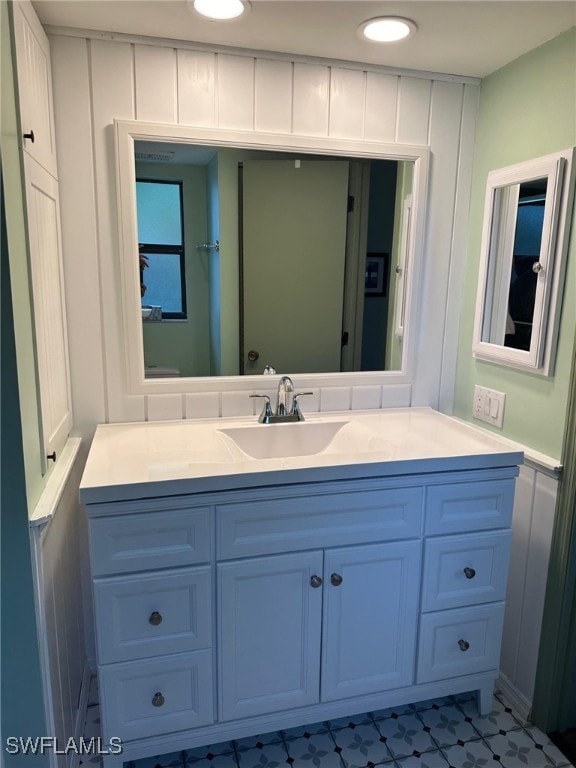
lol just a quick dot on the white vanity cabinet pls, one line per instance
(221, 614)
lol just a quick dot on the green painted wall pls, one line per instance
(527, 109)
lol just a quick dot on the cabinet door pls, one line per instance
(269, 629)
(43, 210)
(34, 86)
(370, 618)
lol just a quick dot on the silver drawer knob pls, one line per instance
(157, 700)
(155, 618)
(464, 645)
(336, 579)
(316, 581)
(469, 573)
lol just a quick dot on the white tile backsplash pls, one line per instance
(164, 407)
(366, 397)
(335, 399)
(237, 404)
(203, 405)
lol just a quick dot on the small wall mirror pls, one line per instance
(522, 263)
(241, 252)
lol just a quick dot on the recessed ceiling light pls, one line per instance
(219, 9)
(386, 29)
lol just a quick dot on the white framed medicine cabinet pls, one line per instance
(522, 262)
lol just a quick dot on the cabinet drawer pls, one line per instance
(284, 524)
(462, 507)
(140, 542)
(465, 570)
(145, 698)
(152, 615)
(459, 642)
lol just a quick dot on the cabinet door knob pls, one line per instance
(51, 456)
(464, 645)
(336, 579)
(29, 135)
(157, 700)
(316, 581)
(155, 618)
(469, 573)
(253, 355)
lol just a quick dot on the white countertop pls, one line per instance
(151, 459)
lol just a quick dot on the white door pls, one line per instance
(43, 209)
(370, 618)
(34, 86)
(294, 247)
(270, 611)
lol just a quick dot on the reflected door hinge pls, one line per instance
(350, 203)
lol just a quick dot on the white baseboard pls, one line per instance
(74, 757)
(520, 704)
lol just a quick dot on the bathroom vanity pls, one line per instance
(251, 577)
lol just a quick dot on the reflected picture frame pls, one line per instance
(376, 274)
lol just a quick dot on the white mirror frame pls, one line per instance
(558, 169)
(127, 132)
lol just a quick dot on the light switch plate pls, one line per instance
(488, 405)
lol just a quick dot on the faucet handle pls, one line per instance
(296, 406)
(266, 414)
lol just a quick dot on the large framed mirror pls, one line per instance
(523, 256)
(245, 252)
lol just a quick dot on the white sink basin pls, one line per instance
(277, 441)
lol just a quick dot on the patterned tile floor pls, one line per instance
(443, 733)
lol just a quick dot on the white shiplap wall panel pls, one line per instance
(381, 107)
(73, 122)
(196, 88)
(459, 247)
(250, 94)
(57, 553)
(155, 83)
(273, 96)
(444, 134)
(311, 99)
(112, 98)
(538, 556)
(414, 96)
(235, 92)
(522, 517)
(347, 99)
(533, 521)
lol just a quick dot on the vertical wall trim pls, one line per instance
(553, 696)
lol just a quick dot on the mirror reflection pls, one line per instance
(517, 236)
(252, 258)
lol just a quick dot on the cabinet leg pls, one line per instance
(485, 698)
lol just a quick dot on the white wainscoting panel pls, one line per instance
(98, 81)
(58, 547)
(532, 525)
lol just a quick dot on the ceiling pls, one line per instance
(471, 37)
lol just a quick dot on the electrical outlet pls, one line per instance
(488, 406)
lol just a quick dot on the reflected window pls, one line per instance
(161, 247)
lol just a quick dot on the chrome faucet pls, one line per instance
(287, 406)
